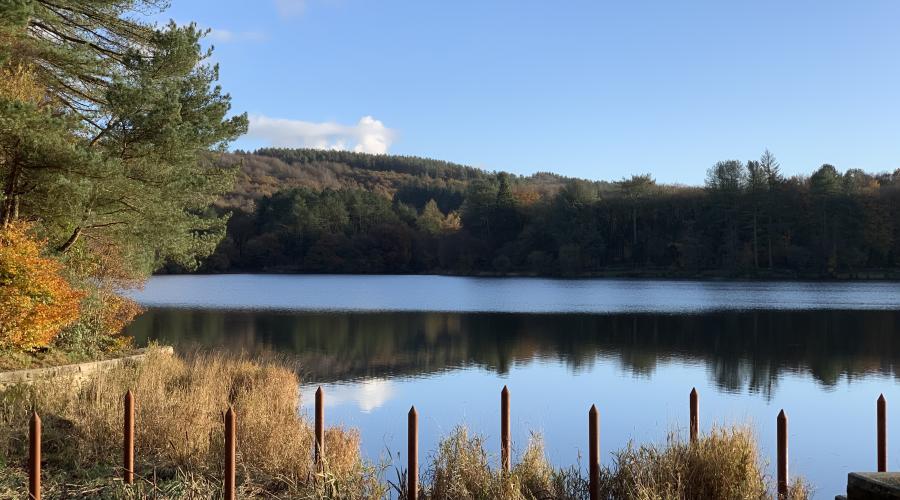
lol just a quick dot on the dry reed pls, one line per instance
(179, 428)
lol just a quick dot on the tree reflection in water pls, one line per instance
(741, 350)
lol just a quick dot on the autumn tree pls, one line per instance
(36, 302)
(431, 220)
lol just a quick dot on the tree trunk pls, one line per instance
(634, 225)
(9, 210)
(825, 253)
(70, 242)
(755, 242)
(834, 233)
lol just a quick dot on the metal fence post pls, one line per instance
(413, 454)
(320, 426)
(882, 434)
(782, 455)
(504, 430)
(594, 452)
(128, 440)
(695, 415)
(230, 453)
(34, 457)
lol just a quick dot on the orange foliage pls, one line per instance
(36, 302)
(115, 314)
(526, 197)
(19, 83)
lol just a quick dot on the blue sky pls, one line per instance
(594, 89)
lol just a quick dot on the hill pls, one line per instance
(339, 212)
(410, 179)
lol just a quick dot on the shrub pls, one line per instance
(36, 302)
(101, 268)
(723, 463)
(459, 469)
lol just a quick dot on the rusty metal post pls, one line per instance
(695, 415)
(782, 456)
(594, 452)
(505, 460)
(320, 426)
(128, 440)
(882, 434)
(230, 453)
(413, 455)
(34, 457)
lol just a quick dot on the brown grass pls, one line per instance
(179, 428)
(723, 464)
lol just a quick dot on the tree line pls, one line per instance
(748, 219)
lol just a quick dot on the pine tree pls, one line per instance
(770, 167)
(118, 143)
(772, 171)
(635, 188)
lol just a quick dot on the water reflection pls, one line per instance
(366, 396)
(740, 350)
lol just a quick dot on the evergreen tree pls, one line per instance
(117, 145)
(771, 169)
(636, 188)
(726, 181)
(825, 185)
(757, 186)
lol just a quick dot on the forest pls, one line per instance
(309, 211)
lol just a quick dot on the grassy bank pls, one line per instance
(179, 445)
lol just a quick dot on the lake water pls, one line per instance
(378, 344)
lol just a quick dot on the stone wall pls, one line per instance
(74, 373)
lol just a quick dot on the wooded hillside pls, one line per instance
(412, 179)
(336, 212)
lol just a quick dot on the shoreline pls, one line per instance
(858, 276)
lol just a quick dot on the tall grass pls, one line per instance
(179, 446)
(723, 464)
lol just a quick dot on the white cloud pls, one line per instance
(374, 393)
(367, 136)
(289, 8)
(368, 395)
(227, 36)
